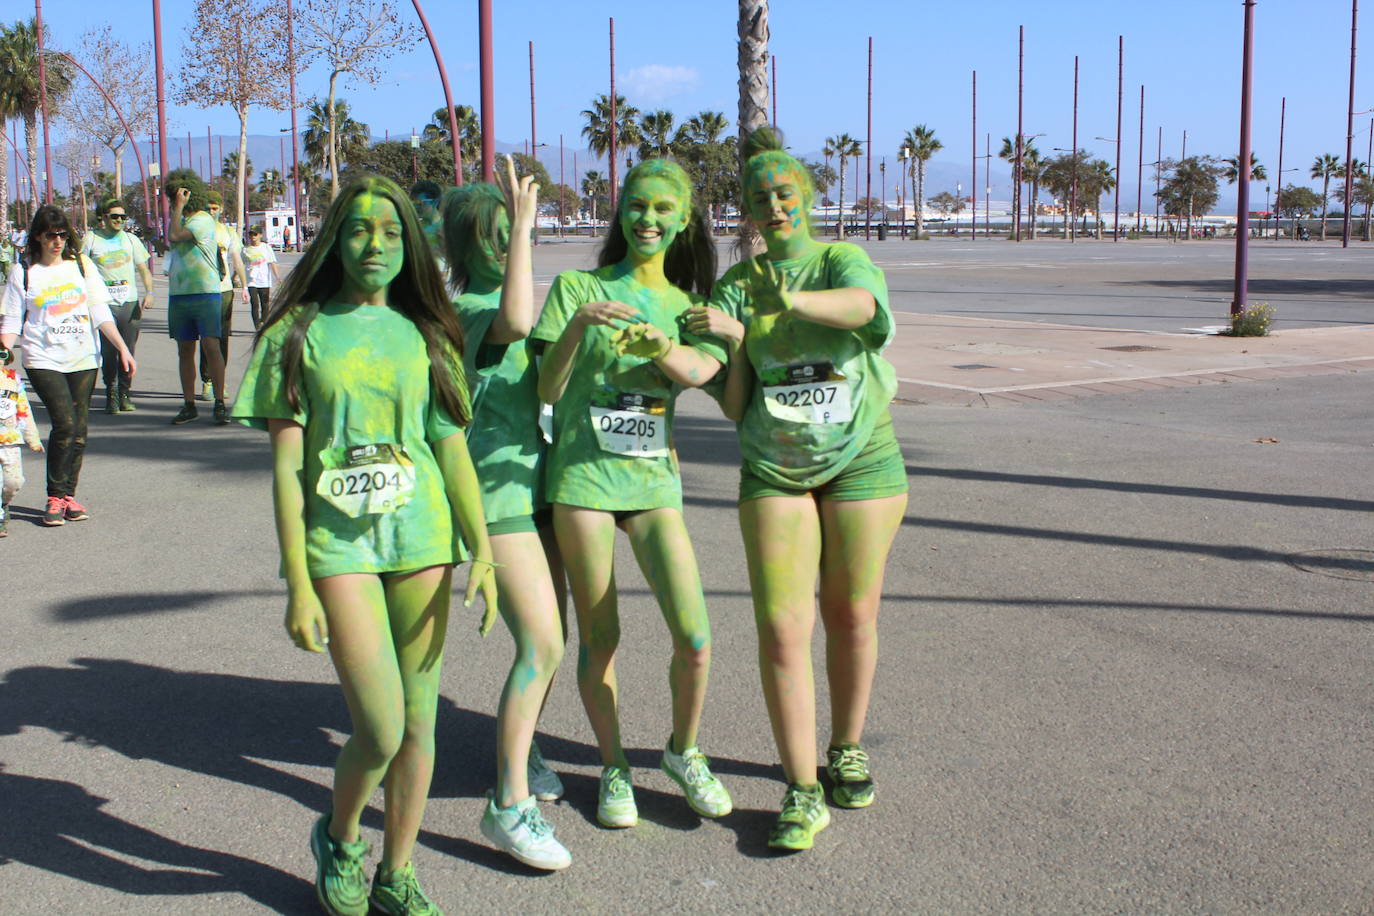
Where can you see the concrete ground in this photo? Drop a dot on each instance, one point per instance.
(1125, 642)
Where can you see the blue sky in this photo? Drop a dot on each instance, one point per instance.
(1186, 52)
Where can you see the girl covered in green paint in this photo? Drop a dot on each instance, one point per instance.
(487, 242)
(355, 376)
(616, 357)
(823, 487)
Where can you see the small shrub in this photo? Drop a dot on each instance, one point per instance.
(1252, 321)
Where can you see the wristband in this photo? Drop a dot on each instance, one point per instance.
(5, 355)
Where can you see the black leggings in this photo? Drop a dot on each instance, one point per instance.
(127, 316)
(257, 303)
(67, 398)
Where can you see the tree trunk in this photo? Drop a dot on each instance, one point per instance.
(5, 187)
(119, 170)
(1034, 205)
(242, 185)
(31, 153)
(752, 58)
(920, 196)
(839, 230)
(911, 175)
(1326, 188)
(333, 144)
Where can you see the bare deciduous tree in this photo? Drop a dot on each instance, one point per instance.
(121, 69)
(354, 38)
(235, 55)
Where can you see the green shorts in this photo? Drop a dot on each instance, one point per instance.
(522, 524)
(876, 472)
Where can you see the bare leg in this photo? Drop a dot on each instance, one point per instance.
(665, 555)
(856, 537)
(587, 539)
(782, 542)
(214, 358)
(186, 366)
(530, 608)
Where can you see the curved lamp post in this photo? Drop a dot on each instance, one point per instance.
(448, 95)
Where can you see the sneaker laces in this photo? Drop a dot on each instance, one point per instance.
(534, 822)
(851, 763)
(616, 783)
(795, 804)
(697, 769)
(74, 505)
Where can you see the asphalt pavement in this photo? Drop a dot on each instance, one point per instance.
(1124, 664)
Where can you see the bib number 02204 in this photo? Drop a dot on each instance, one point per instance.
(630, 424)
(807, 393)
(366, 479)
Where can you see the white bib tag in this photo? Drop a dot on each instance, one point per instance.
(118, 292)
(807, 393)
(366, 479)
(636, 425)
(9, 405)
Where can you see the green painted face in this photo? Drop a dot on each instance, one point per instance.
(215, 210)
(486, 266)
(370, 244)
(777, 203)
(653, 213)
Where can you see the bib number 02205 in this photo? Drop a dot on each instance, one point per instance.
(366, 479)
(807, 393)
(631, 424)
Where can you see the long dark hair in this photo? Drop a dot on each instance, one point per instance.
(470, 219)
(48, 218)
(417, 293)
(690, 263)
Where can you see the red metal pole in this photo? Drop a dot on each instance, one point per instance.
(43, 99)
(1238, 300)
(561, 186)
(1349, 122)
(295, 143)
(1073, 163)
(1140, 165)
(534, 141)
(161, 115)
(1020, 131)
(987, 186)
(773, 74)
(189, 164)
(1278, 196)
(1159, 157)
(1120, 76)
(973, 183)
(484, 30)
(868, 152)
(615, 125)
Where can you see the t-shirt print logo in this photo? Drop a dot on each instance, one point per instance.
(59, 300)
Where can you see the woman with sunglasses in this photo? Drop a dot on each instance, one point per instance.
(118, 255)
(53, 305)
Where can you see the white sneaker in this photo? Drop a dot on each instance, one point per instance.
(522, 831)
(691, 770)
(544, 782)
(615, 799)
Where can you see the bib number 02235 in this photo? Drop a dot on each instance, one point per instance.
(807, 393)
(631, 424)
(366, 479)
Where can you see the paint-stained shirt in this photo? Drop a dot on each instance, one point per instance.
(256, 261)
(194, 269)
(818, 391)
(370, 418)
(504, 440)
(116, 257)
(16, 417)
(58, 315)
(613, 426)
(229, 244)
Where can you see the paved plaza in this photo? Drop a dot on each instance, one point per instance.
(1126, 636)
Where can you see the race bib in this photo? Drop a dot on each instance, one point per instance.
(635, 425)
(9, 405)
(118, 291)
(366, 479)
(807, 393)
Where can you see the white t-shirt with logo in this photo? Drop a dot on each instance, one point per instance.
(58, 315)
(256, 259)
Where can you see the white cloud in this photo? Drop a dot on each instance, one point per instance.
(656, 83)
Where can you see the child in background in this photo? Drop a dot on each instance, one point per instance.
(16, 428)
(261, 263)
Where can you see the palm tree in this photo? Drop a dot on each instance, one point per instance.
(597, 130)
(844, 147)
(657, 130)
(705, 126)
(1008, 153)
(1033, 173)
(1096, 179)
(920, 144)
(19, 89)
(1326, 166)
(230, 165)
(595, 186)
(349, 138)
(1231, 172)
(272, 183)
(469, 130)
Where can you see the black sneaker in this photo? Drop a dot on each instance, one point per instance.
(126, 404)
(186, 414)
(111, 399)
(221, 414)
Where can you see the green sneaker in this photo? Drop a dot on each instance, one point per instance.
(400, 894)
(615, 801)
(803, 815)
(111, 399)
(692, 771)
(186, 414)
(521, 831)
(340, 883)
(544, 782)
(851, 784)
(126, 404)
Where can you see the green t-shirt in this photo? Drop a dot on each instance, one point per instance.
(818, 390)
(504, 439)
(363, 381)
(195, 268)
(613, 428)
(116, 256)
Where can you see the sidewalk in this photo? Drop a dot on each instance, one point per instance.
(974, 362)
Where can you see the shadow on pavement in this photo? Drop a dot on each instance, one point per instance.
(1351, 287)
(59, 827)
(128, 605)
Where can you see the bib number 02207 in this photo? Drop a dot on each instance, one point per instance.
(630, 424)
(807, 393)
(366, 479)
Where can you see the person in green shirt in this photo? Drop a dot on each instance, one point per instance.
(615, 359)
(193, 291)
(356, 376)
(823, 488)
(118, 254)
(487, 236)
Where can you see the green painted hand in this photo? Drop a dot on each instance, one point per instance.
(643, 340)
(767, 287)
(482, 574)
(305, 621)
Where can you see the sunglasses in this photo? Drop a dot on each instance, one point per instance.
(114, 216)
(54, 236)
